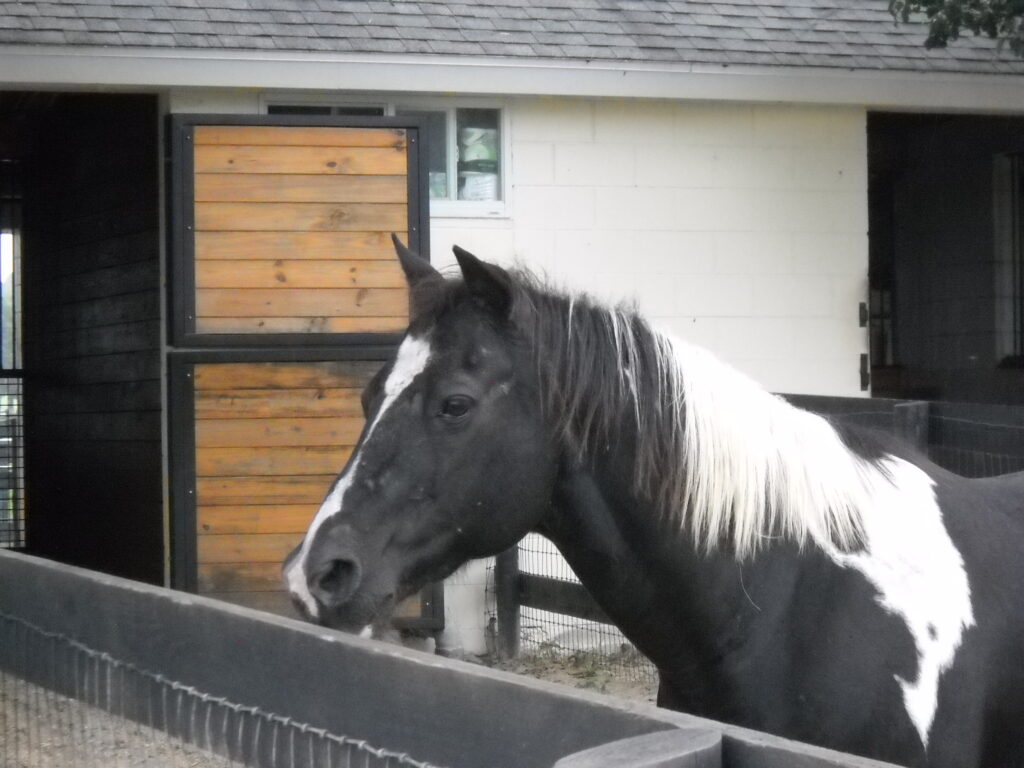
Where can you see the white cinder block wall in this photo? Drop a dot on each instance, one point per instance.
(740, 227)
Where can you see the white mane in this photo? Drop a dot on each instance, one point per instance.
(755, 466)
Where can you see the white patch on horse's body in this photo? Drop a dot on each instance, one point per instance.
(755, 467)
(910, 559)
(412, 358)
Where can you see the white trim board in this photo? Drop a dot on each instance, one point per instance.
(82, 67)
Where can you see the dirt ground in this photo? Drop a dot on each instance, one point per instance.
(589, 671)
(42, 729)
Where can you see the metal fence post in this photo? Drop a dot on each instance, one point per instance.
(910, 422)
(506, 593)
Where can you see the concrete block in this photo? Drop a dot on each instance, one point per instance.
(701, 124)
(753, 253)
(803, 296)
(714, 295)
(673, 165)
(533, 163)
(600, 165)
(637, 121)
(552, 119)
(750, 168)
(554, 207)
(634, 208)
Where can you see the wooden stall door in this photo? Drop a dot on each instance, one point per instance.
(285, 232)
(269, 440)
(287, 294)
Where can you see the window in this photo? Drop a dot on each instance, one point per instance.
(465, 150)
(12, 469)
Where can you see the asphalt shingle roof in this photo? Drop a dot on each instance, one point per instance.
(846, 34)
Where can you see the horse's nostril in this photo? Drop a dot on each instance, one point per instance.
(335, 581)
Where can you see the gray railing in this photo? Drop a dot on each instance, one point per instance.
(90, 657)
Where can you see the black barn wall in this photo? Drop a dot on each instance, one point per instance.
(92, 336)
(933, 243)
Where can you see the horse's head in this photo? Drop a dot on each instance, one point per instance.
(454, 462)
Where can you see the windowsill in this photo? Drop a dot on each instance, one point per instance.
(466, 209)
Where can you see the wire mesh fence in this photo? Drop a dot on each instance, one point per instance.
(12, 467)
(587, 644)
(62, 703)
(984, 444)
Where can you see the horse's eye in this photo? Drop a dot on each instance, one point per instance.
(456, 406)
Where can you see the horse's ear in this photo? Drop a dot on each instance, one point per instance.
(416, 268)
(488, 283)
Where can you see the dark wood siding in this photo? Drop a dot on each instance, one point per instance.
(92, 328)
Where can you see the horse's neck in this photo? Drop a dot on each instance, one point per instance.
(686, 610)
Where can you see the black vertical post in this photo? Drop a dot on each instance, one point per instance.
(910, 422)
(506, 592)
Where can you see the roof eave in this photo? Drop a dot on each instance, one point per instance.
(81, 67)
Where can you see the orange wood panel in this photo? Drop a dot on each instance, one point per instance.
(283, 273)
(264, 404)
(287, 135)
(301, 302)
(270, 246)
(304, 460)
(228, 433)
(240, 577)
(299, 188)
(255, 518)
(302, 489)
(246, 376)
(226, 158)
(247, 548)
(301, 217)
(369, 324)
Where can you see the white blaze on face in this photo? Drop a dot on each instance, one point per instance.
(413, 356)
(919, 575)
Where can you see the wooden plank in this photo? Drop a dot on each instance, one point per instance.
(373, 161)
(301, 302)
(255, 518)
(559, 596)
(265, 404)
(395, 324)
(299, 188)
(239, 577)
(304, 460)
(246, 548)
(296, 245)
(282, 273)
(278, 603)
(288, 135)
(228, 433)
(322, 375)
(308, 489)
(301, 217)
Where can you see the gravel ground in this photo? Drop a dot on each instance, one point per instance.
(40, 729)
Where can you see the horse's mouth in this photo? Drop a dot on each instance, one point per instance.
(358, 615)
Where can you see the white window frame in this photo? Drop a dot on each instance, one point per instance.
(457, 209)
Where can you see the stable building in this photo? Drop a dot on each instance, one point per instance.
(196, 201)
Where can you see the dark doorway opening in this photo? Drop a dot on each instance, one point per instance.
(86, 192)
(946, 216)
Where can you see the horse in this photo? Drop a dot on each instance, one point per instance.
(783, 573)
